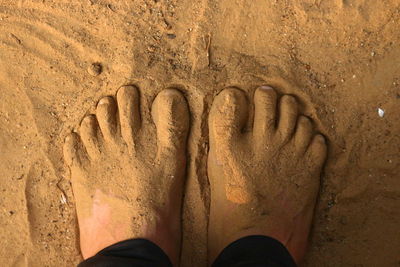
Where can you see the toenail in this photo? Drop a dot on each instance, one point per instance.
(289, 99)
(127, 87)
(266, 87)
(103, 101)
(304, 119)
(86, 119)
(321, 138)
(122, 89)
(170, 92)
(229, 94)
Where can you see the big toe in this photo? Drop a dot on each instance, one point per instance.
(228, 116)
(170, 114)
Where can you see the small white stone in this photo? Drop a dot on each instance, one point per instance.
(381, 112)
(63, 199)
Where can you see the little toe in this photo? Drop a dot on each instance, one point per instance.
(303, 134)
(170, 114)
(264, 112)
(228, 116)
(74, 153)
(106, 116)
(317, 151)
(89, 132)
(129, 114)
(288, 111)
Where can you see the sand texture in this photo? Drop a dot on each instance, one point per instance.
(340, 58)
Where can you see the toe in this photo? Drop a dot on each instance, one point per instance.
(303, 134)
(228, 116)
(317, 152)
(170, 114)
(74, 153)
(288, 111)
(264, 112)
(89, 131)
(129, 115)
(106, 116)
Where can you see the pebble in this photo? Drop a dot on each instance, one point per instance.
(63, 199)
(381, 112)
(95, 69)
(171, 36)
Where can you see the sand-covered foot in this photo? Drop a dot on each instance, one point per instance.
(121, 191)
(266, 181)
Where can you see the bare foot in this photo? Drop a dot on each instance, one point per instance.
(120, 191)
(263, 182)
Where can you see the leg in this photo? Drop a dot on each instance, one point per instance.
(122, 192)
(263, 182)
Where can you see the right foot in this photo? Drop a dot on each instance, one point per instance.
(263, 182)
(121, 191)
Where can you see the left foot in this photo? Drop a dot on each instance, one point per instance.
(120, 191)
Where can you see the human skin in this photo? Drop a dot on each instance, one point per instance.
(122, 192)
(264, 181)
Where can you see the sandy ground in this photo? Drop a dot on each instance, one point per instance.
(341, 58)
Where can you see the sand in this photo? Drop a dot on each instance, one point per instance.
(341, 59)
